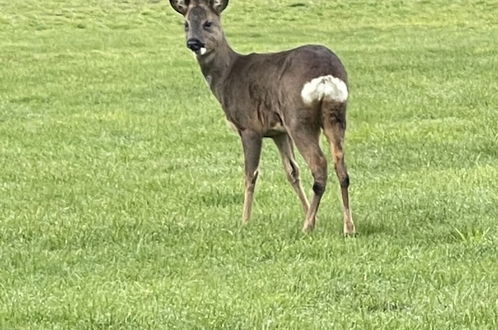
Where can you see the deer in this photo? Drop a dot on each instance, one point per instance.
(289, 96)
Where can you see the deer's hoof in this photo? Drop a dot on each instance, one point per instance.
(349, 230)
(308, 228)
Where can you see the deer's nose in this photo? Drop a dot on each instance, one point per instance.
(194, 44)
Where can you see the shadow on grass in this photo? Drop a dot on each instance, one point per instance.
(368, 228)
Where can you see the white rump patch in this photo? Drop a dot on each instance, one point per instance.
(328, 88)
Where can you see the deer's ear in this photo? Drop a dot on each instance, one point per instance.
(180, 6)
(219, 5)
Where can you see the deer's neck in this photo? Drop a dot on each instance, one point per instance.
(216, 66)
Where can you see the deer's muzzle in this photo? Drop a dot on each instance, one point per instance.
(194, 44)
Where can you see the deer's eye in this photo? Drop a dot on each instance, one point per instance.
(207, 24)
(186, 25)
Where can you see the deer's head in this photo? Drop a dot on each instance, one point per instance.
(202, 23)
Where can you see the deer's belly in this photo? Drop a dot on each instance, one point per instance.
(268, 123)
(275, 129)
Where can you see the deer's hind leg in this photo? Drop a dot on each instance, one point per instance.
(306, 135)
(334, 126)
(285, 147)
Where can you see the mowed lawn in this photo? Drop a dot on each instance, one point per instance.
(121, 187)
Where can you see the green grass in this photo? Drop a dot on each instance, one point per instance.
(121, 186)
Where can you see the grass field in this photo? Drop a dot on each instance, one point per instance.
(121, 187)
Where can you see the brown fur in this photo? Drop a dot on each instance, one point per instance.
(261, 95)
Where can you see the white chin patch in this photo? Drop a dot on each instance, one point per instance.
(203, 51)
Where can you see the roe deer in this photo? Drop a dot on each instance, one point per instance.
(288, 96)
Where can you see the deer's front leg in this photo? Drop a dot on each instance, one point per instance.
(251, 143)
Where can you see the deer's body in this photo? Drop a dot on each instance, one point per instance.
(266, 100)
(289, 96)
